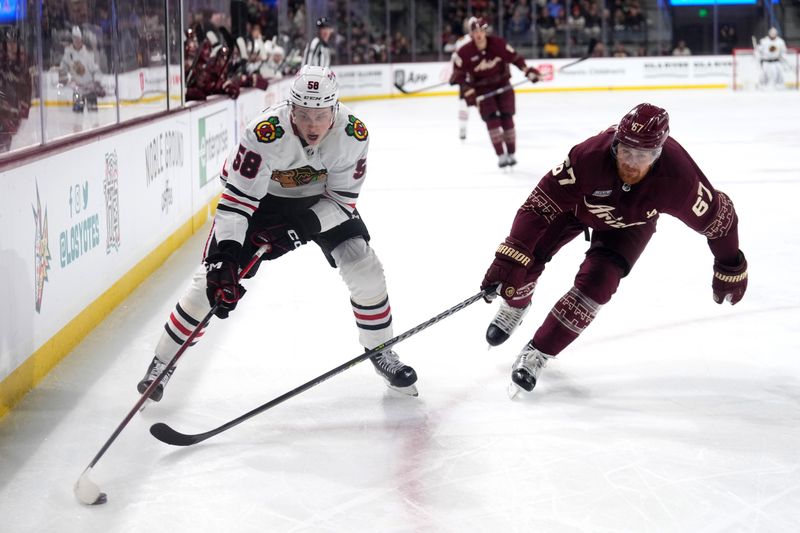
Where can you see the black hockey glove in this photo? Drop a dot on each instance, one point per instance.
(285, 237)
(222, 273)
(729, 282)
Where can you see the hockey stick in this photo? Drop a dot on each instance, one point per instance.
(501, 90)
(590, 49)
(573, 63)
(428, 88)
(85, 489)
(166, 434)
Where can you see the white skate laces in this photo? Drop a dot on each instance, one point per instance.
(398, 376)
(153, 371)
(531, 360)
(526, 370)
(505, 322)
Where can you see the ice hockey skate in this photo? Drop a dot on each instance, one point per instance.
(504, 323)
(511, 160)
(398, 376)
(526, 370)
(153, 371)
(502, 161)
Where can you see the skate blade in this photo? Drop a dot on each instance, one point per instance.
(513, 390)
(411, 390)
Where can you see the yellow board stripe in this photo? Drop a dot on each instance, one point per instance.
(14, 387)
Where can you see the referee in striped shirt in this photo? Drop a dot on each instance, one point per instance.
(318, 51)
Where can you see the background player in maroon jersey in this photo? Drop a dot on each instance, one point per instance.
(615, 183)
(482, 66)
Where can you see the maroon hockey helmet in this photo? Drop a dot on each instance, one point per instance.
(645, 126)
(478, 23)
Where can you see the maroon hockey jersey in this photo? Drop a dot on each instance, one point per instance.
(485, 70)
(587, 185)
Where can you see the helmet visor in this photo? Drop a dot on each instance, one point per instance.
(637, 157)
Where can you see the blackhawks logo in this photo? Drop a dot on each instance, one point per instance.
(356, 128)
(268, 130)
(297, 177)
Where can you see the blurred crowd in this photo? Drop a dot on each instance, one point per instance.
(15, 87)
(556, 31)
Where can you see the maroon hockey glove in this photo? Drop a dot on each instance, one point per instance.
(729, 282)
(510, 265)
(532, 74)
(470, 96)
(222, 272)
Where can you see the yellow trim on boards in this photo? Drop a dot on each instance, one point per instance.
(14, 387)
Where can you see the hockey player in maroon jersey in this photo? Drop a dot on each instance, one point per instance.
(481, 66)
(294, 177)
(616, 184)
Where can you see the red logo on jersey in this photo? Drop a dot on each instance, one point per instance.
(268, 130)
(356, 129)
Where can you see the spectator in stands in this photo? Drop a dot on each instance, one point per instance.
(681, 49)
(599, 50)
(727, 39)
(618, 50)
(634, 20)
(551, 48)
(79, 71)
(593, 21)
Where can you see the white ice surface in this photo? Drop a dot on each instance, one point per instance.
(669, 414)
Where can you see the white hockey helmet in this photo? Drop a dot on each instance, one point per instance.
(314, 87)
(773, 33)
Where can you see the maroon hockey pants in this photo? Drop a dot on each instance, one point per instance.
(610, 258)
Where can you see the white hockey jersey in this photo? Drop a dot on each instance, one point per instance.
(771, 49)
(84, 74)
(272, 159)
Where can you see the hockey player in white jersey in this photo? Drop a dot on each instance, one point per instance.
(294, 177)
(771, 51)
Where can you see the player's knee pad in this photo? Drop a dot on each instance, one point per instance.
(361, 271)
(600, 274)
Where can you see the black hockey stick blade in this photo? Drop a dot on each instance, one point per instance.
(168, 435)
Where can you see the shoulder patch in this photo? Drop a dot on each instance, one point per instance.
(268, 130)
(356, 128)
